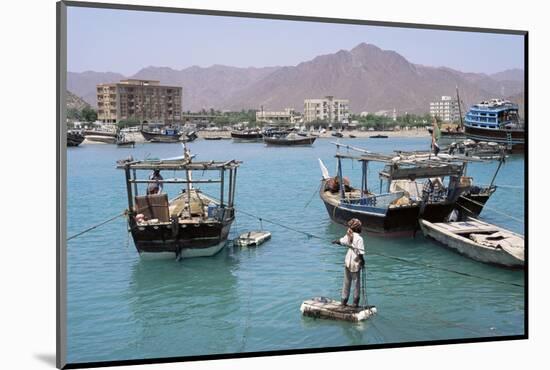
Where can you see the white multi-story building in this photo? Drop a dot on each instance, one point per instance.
(327, 109)
(446, 109)
(289, 115)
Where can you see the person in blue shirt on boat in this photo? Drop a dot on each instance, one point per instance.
(354, 261)
(155, 187)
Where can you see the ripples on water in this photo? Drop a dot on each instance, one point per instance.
(245, 300)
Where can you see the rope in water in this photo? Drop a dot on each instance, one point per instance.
(404, 260)
(97, 225)
(310, 235)
(506, 186)
(493, 209)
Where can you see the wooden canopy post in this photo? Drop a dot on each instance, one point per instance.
(341, 180)
(222, 173)
(364, 180)
(390, 179)
(229, 191)
(135, 184)
(188, 178)
(129, 190)
(234, 184)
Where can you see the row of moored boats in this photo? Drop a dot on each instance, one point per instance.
(417, 191)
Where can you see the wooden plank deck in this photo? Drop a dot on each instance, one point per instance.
(327, 308)
(467, 227)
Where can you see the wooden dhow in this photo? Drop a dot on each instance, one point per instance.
(193, 224)
(250, 134)
(168, 135)
(100, 136)
(411, 187)
(291, 139)
(74, 138)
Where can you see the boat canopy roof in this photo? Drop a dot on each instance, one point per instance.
(495, 105)
(179, 164)
(412, 165)
(402, 169)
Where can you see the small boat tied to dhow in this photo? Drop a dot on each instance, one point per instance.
(291, 139)
(192, 224)
(479, 240)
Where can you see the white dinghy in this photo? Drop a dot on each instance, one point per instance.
(479, 240)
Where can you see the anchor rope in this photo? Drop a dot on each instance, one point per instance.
(110, 219)
(248, 315)
(492, 209)
(506, 186)
(313, 195)
(404, 260)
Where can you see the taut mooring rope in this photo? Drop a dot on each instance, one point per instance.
(97, 225)
(404, 260)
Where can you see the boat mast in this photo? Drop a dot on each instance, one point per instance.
(364, 185)
(459, 108)
(187, 158)
(500, 162)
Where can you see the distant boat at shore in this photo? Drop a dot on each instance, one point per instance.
(291, 139)
(379, 136)
(74, 138)
(100, 136)
(495, 120)
(168, 135)
(247, 134)
(123, 142)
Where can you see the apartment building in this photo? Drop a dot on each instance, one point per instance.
(141, 100)
(326, 109)
(289, 115)
(446, 109)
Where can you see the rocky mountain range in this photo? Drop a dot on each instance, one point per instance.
(371, 78)
(75, 102)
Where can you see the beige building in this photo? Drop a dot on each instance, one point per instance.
(142, 100)
(328, 109)
(446, 109)
(288, 115)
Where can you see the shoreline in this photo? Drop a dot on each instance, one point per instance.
(357, 133)
(138, 137)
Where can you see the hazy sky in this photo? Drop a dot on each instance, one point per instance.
(126, 41)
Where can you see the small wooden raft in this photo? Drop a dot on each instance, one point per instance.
(252, 238)
(326, 308)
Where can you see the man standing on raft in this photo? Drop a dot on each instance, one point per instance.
(354, 261)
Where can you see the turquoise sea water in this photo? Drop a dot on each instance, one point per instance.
(246, 300)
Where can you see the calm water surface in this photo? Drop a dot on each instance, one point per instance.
(246, 300)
